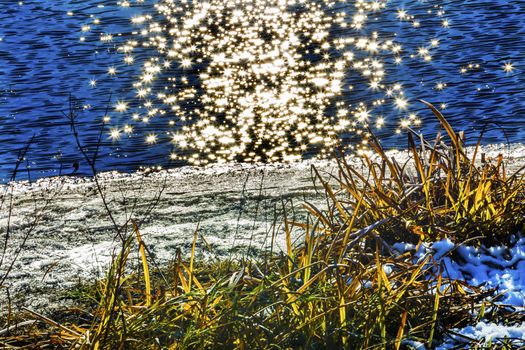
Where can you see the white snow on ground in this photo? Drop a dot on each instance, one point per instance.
(486, 333)
(415, 345)
(73, 238)
(501, 268)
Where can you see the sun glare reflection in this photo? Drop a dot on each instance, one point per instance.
(255, 80)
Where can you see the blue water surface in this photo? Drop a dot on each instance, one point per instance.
(43, 62)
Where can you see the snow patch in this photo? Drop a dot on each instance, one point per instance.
(486, 333)
(499, 267)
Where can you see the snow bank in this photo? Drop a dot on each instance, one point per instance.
(502, 268)
(485, 334)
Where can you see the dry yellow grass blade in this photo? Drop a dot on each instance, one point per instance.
(194, 279)
(435, 310)
(457, 146)
(382, 278)
(292, 297)
(314, 211)
(145, 266)
(401, 330)
(342, 317)
(192, 259)
(330, 193)
(289, 246)
(49, 321)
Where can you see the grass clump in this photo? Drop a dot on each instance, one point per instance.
(443, 191)
(305, 299)
(341, 286)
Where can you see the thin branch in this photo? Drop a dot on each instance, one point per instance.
(21, 155)
(92, 162)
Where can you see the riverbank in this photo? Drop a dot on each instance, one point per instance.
(236, 206)
(68, 237)
(73, 238)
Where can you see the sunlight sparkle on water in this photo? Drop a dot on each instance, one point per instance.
(508, 67)
(259, 80)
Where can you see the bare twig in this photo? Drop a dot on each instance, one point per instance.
(51, 322)
(92, 161)
(21, 156)
(17, 326)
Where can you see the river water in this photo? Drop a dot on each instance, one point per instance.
(43, 61)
